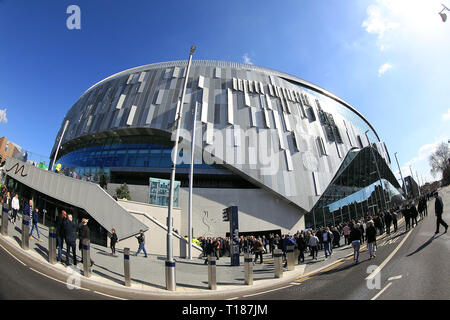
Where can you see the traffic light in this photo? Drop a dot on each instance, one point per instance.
(226, 214)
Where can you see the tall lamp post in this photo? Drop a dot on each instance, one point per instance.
(191, 183)
(403, 180)
(170, 263)
(59, 144)
(378, 170)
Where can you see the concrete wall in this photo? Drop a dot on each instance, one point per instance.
(258, 210)
(156, 236)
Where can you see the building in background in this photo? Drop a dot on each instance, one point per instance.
(9, 149)
(288, 153)
(412, 188)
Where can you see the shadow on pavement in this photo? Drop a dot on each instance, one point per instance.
(427, 243)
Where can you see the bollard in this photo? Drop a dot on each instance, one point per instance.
(86, 258)
(25, 232)
(126, 266)
(212, 279)
(248, 264)
(278, 262)
(5, 216)
(52, 245)
(171, 283)
(290, 258)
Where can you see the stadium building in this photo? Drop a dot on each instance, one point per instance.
(288, 153)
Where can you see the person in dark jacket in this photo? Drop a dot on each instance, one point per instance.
(114, 239)
(388, 221)
(28, 209)
(209, 249)
(34, 220)
(355, 237)
(85, 235)
(439, 209)
(407, 215)
(141, 241)
(60, 233)
(371, 235)
(70, 236)
(394, 219)
(301, 246)
(336, 237)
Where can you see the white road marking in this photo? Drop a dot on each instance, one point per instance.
(48, 276)
(381, 266)
(379, 293)
(12, 255)
(395, 278)
(255, 294)
(107, 295)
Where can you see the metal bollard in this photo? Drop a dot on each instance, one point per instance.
(248, 264)
(86, 258)
(126, 266)
(212, 279)
(25, 232)
(290, 258)
(5, 216)
(171, 283)
(278, 262)
(52, 245)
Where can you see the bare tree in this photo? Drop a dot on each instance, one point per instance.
(440, 160)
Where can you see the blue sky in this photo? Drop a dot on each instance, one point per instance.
(390, 59)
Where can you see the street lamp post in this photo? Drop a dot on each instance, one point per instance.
(191, 183)
(378, 170)
(404, 185)
(170, 263)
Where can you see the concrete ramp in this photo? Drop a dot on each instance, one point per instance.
(82, 194)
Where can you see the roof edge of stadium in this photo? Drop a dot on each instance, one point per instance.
(237, 65)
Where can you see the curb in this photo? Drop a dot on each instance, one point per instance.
(140, 294)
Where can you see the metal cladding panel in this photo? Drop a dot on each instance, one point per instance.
(226, 91)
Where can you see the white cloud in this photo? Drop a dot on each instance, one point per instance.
(382, 70)
(376, 22)
(446, 116)
(247, 59)
(3, 118)
(419, 164)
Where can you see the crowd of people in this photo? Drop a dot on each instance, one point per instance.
(310, 241)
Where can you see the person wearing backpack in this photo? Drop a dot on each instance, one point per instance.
(371, 234)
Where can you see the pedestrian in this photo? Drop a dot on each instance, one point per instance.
(388, 221)
(15, 205)
(258, 249)
(394, 219)
(60, 233)
(346, 230)
(406, 213)
(216, 247)
(85, 236)
(7, 205)
(336, 237)
(28, 210)
(313, 243)
(326, 238)
(361, 229)
(371, 235)
(439, 209)
(301, 246)
(141, 241)
(113, 240)
(414, 214)
(35, 219)
(209, 249)
(264, 242)
(71, 238)
(355, 237)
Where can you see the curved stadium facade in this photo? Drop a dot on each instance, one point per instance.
(288, 153)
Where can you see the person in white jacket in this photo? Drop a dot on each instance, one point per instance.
(15, 207)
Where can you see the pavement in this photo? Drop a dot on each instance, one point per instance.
(148, 274)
